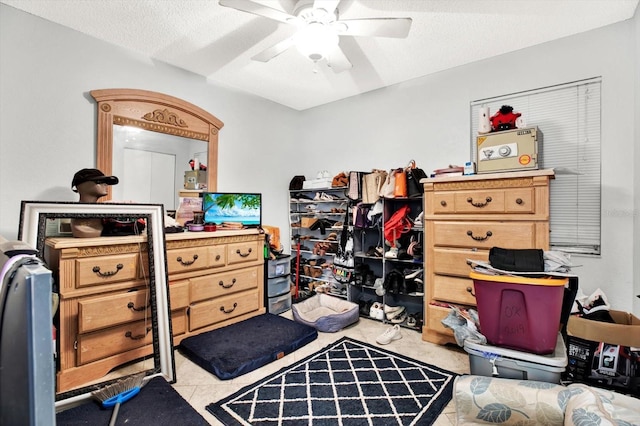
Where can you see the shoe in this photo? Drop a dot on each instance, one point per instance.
(326, 197)
(414, 274)
(365, 307)
(388, 309)
(418, 220)
(392, 253)
(389, 335)
(395, 314)
(411, 321)
(402, 317)
(376, 311)
(304, 198)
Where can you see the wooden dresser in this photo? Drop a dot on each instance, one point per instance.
(215, 279)
(464, 216)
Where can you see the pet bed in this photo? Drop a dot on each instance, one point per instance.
(326, 313)
(242, 347)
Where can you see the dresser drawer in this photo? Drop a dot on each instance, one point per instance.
(188, 259)
(114, 340)
(243, 252)
(217, 256)
(106, 269)
(179, 322)
(220, 309)
(453, 290)
(101, 312)
(215, 285)
(517, 200)
(179, 294)
(454, 261)
(435, 315)
(485, 234)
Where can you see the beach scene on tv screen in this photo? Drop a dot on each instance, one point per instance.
(243, 208)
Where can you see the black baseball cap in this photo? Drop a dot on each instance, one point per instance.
(94, 175)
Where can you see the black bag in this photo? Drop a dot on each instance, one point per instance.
(414, 174)
(296, 183)
(343, 261)
(517, 260)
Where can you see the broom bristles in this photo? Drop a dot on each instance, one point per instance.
(119, 387)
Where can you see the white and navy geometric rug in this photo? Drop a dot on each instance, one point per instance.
(348, 383)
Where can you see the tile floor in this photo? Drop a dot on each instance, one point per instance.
(201, 388)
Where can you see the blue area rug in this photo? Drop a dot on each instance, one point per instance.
(347, 383)
(157, 404)
(242, 347)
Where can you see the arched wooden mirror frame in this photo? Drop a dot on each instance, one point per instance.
(155, 112)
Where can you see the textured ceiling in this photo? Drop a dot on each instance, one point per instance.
(218, 42)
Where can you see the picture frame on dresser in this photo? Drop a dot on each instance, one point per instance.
(35, 216)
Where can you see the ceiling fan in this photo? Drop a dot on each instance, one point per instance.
(319, 29)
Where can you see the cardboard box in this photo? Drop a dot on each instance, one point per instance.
(307, 222)
(605, 354)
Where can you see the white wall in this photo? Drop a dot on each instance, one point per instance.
(48, 118)
(427, 119)
(47, 125)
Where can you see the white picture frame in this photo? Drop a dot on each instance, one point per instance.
(32, 231)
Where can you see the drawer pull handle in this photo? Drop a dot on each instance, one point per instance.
(132, 306)
(96, 269)
(243, 255)
(232, 309)
(488, 234)
(481, 204)
(470, 291)
(221, 283)
(519, 201)
(443, 203)
(138, 337)
(217, 257)
(187, 262)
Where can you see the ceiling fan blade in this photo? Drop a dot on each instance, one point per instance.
(328, 5)
(273, 51)
(338, 61)
(377, 27)
(260, 10)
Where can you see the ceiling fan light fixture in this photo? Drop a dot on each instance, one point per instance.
(316, 40)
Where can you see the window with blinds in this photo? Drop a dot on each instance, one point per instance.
(568, 120)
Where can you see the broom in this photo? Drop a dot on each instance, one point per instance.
(119, 392)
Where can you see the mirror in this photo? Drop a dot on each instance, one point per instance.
(41, 220)
(144, 134)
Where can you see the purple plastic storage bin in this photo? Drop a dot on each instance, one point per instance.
(518, 312)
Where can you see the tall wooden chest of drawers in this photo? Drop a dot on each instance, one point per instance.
(464, 216)
(215, 279)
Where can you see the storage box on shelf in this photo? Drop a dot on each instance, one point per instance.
(215, 279)
(464, 216)
(316, 219)
(278, 284)
(401, 273)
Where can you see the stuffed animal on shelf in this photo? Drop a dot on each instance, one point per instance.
(504, 119)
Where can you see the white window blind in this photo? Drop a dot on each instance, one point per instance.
(568, 118)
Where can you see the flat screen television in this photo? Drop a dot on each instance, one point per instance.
(244, 208)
